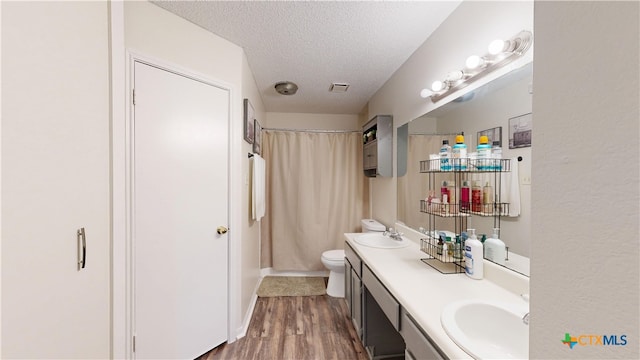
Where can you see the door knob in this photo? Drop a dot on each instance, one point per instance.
(222, 230)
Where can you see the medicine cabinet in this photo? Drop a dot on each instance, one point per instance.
(377, 151)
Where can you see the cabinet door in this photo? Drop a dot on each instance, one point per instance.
(370, 153)
(55, 180)
(356, 294)
(347, 285)
(418, 345)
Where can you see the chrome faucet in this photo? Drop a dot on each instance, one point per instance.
(393, 234)
(525, 319)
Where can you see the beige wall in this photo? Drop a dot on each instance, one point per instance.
(495, 110)
(586, 190)
(250, 247)
(312, 121)
(585, 186)
(153, 32)
(467, 31)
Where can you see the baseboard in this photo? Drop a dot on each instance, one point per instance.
(271, 272)
(242, 331)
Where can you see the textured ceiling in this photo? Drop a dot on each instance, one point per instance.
(316, 43)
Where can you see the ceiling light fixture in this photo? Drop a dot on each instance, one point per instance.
(286, 88)
(500, 53)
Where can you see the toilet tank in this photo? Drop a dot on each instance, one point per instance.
(371, 225)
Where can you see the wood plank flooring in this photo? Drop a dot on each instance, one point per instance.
(296, 327)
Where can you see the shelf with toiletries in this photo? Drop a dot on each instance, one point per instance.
(459, 188)
(436, 207)
(466, 165)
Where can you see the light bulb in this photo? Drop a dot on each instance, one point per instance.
(496, 47)
(437, 86)
(474, 62)
(425, 93)
(455, 76)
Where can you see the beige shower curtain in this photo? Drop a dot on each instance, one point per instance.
(413, 187)
(314, 186)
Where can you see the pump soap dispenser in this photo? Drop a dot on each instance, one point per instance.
(495, 249)
(474, 265)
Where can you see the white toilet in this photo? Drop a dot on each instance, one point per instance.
(334, 261)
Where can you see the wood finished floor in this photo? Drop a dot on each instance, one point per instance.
(296, 327)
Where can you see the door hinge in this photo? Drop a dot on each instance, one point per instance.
(134, 97)
(134, 344)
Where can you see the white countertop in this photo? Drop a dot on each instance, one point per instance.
(423, 291)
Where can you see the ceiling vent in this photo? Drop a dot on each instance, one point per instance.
(286, 88)
(338, 87)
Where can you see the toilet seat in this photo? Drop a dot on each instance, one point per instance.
(333, 255)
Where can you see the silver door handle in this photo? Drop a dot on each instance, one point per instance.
(82, 249)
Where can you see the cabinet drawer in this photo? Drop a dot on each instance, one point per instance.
(385, 300)
(418, 344)
(353, 259)
(370, 156)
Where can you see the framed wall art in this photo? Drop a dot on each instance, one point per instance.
(494, 134)
(257, 137)
(249, 117)
(520, 131)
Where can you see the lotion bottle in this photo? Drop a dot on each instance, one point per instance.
(495, 249)
(474, 266)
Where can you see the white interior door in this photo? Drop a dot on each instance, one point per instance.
(179, 199)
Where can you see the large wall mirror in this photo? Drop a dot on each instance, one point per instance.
(503, 103)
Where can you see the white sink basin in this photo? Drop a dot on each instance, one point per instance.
(488, 330)
(377, 240)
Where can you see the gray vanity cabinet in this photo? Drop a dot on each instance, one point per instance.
(381, 319)
(377, 151)
(384, 326)
(419, 345)
(353, 287)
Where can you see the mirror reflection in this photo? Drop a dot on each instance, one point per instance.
(500, 108)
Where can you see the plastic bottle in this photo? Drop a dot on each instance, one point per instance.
(457, 251)
(459, 154)
(465, 196)
(484, 153)
(443, 190)
(445, 156)
(487, 199)
(449, 246)
(453, 201)
(474, 266)
(496, 154)
(476, 197)
(495, 249)
(440, 246)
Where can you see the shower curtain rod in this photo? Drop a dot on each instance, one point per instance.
(313, 131)
(437, 134)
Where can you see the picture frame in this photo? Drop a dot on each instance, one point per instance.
(257, 137)
(494, 134)
(249, 117)
(520, 129)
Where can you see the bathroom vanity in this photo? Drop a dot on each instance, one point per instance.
(396, 300)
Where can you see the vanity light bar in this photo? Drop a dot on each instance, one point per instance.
(500, 53)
